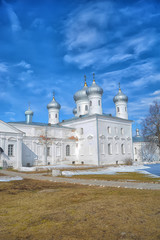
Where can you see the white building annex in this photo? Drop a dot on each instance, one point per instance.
(90, 137)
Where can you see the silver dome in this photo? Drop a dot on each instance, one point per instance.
(29, 112)
(54, 104)
(94, 89)
(75, 111)
(81, 94)
(120, 97)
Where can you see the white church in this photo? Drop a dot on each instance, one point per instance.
(90, 137)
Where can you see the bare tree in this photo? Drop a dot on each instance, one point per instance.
(151, 125)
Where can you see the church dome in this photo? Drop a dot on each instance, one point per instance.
(29, 111)
(120, 97)
(94, 89)
(54, 104)
(75, 111)
(81, 94)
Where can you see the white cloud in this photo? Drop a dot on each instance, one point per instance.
(83, 28)
(25, 75)
(155, 93)
(3, 67)
(10, 113)
(66, 109)
(23, 64)
(90, 41)
(38, 23)
(15, 23)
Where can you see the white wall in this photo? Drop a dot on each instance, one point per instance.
(114, 132)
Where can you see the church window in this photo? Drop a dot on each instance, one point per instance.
(109, 149)
(56, 115)
(118, 109)
(99, 103)
(90, 103)
(68, 150)
(135, 150)
(86, 108)
(10, 150)
(116, 147)
(109, 129)
(102, 148)
(48, 151)
(58, 152)
(122, 131)
(122, 149)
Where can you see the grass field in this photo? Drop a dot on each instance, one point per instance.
(124, 176)
(31, 209)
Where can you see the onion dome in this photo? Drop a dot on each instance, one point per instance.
(120, 96)
(29, 111)
(54, 104)
(75, 111)
(81, 94)
(94, 89)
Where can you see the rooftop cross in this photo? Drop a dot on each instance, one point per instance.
(53, 95)
(85, 84)
(93, 77)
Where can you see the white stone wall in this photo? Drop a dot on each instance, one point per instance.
(53, 116)
(86, 147)
(10, 136)
(121, 109)
(94, 106)
(115, 141)
(39, 138)
(81, 107)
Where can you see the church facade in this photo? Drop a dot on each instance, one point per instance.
(90, 137)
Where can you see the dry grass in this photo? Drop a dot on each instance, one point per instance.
(1, 174)
(38, 210)
(124, 176)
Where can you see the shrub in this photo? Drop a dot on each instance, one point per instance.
(128, 161)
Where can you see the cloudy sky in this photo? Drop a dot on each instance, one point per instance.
(48, 45)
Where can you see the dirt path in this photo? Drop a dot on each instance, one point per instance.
(101, 183)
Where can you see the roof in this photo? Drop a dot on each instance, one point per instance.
(40, 124)
(138, 139)
(87, 116)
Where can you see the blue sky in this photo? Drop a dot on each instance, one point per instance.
(49, 45)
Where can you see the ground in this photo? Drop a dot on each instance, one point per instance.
(34, 209)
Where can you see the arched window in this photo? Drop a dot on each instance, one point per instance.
(116, 147)
(99, 103)
(86, 108)
(90, 103)
(117, 109)
(109, 149)
(125, 109)
(122, 131)
(68, 150)
(135, 150)
(10, 150)
(56, 115)
(109, 129)
(122, 149)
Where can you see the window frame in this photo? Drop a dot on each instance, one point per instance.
(67, 150)
(10, 150)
